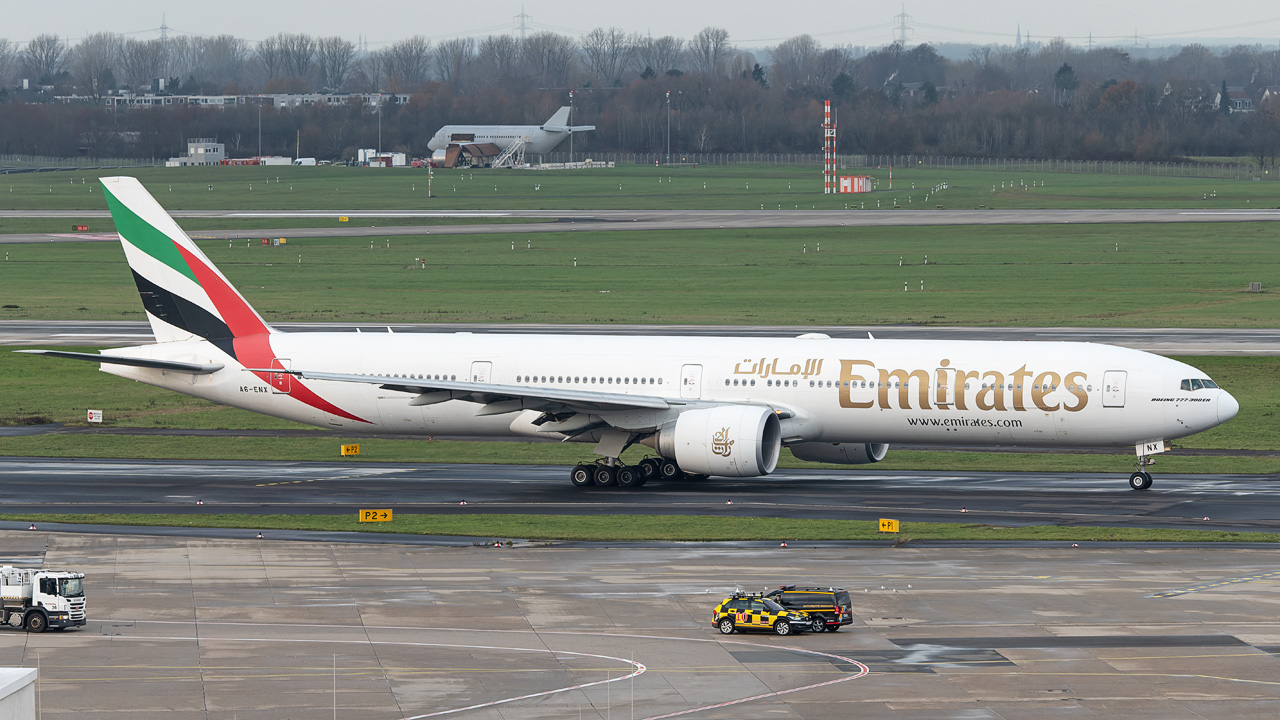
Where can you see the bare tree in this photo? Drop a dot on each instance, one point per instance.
(299, 54)
(270, 54)
(8, 60)
(795, 62)
(498, 58)
(661, 54)
(549, 57)
(93, 64)
(44, 57)
(709, 50)
(182, 57)
(609, 54)
(141, 61)
(222, 60)
(454, 59)
(335, 57)
(407, 63)
(370, 71)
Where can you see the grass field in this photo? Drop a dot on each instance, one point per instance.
(1162, 275)
(42, 390)
(722, 187)
(632, 528)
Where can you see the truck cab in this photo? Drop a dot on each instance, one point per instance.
(41, 599)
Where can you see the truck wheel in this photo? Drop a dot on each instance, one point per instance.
(37, 622)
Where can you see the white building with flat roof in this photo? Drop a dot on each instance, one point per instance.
(200, 151)
(17, 693)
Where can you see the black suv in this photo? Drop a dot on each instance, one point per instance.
(830, 604)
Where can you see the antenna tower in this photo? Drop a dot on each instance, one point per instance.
(523, 19)
(902, 28)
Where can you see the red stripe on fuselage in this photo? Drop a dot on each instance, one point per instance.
(255, 351)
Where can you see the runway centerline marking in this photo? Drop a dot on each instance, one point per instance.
(1213, 585)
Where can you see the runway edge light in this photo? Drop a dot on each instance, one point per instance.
(888, 525)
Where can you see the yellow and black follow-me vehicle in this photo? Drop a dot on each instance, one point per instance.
(751, 611)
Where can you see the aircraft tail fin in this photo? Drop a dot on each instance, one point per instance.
(560, 119)
(185, 296)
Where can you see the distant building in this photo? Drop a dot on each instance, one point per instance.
(1271, 95)
(1239, 100)
(130, 101)
(200, 151)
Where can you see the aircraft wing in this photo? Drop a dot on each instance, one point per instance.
(497, 399)
(568, 128)
(170, 365)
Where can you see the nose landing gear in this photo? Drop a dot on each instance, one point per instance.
(1141, 479)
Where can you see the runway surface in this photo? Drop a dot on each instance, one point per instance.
(596, 220)
(1166, 341)
(175, 486)
(192, 628)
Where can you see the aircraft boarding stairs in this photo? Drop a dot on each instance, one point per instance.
(513, 155)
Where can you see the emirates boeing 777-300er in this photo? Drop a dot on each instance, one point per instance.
(705, 405)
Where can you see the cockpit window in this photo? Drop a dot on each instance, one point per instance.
(1209, 383)
(1198, 384)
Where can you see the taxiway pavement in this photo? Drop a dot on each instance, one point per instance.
(54, 485)
(257, 630)
(625, 220)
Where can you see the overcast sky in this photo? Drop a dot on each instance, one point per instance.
(751, 23)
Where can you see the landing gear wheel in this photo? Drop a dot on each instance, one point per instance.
(628, 477)
(37, 622)
(580, 476)
(1140, 480)
(782, 627)
(605, 475)
(648, 468)
(726, 626)
(669, 470)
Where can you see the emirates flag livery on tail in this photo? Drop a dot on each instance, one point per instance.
(705, 405)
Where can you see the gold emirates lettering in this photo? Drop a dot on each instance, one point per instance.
(997, 391)
(721, 444)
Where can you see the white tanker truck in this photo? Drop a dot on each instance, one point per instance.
(41, 599)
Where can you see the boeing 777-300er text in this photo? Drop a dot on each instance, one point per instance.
(706, 405)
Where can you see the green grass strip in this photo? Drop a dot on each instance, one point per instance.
(686, 528)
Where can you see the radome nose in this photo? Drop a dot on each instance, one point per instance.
(1228, 406)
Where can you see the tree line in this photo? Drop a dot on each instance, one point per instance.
(1049, 101)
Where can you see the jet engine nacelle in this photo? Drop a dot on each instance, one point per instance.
(732, 441)
(840, 453)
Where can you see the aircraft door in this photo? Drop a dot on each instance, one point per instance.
(691, 381)
(945, 387)
(1113, 382)
(281, 383)
(481, 371)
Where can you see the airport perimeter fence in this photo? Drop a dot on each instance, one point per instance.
(44, 163)
(1225, 171)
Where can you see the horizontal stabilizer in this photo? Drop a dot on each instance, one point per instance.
(171, 365)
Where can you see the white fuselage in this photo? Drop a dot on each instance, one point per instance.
(538, 141)
(829, 390)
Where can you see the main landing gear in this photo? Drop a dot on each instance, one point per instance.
(1141, 479)
(610, 472)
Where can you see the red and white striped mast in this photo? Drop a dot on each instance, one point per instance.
(828, 150)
